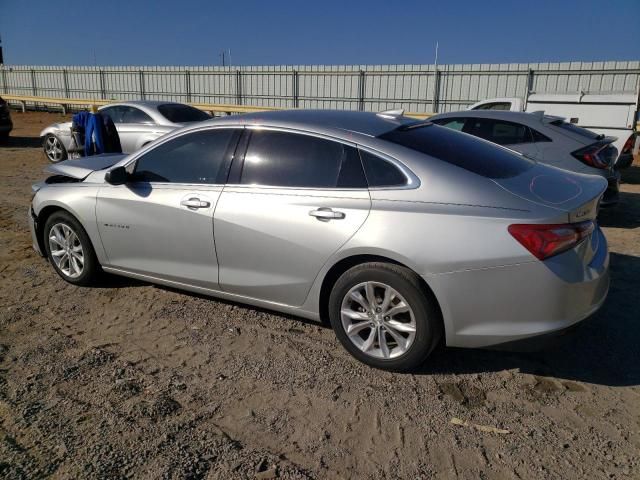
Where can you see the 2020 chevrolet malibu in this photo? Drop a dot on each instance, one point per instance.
(402, 233)
(137, 122)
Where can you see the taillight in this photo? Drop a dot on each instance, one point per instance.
(545, 241)
(594, 155)
(628, 145)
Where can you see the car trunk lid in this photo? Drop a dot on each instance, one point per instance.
(576, 196)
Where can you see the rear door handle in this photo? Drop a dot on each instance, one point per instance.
(326, 214)
(195, 203)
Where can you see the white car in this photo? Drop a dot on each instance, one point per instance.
(138, 123)
(610, 114)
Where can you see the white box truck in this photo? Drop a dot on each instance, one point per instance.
(609, 114)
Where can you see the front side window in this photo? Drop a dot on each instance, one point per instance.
(300, 161)
(135, 115)
(199, 157)
(498, 131)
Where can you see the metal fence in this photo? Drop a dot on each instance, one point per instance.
(416, 88)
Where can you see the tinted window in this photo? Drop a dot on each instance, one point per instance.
(539, 137)
(381, 173)
(576, 129)
(179, 113)
(292, 160)
(461, 150)
(452, 123)
(134, 115)
(194, 158)
(498, 131)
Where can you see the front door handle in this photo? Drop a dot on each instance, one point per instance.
(194, 203)
(324, 213)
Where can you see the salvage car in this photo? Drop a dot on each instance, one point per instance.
(403, 233)
(546, 138)
(138, 123)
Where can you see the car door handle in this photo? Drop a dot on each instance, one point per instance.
(326, 214)
(195, 203)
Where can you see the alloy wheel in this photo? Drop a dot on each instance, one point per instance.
(66, 250)
(378, 320)
(53, 148)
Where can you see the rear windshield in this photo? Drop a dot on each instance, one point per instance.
(464, 151)
(575, 129)
(177, 113)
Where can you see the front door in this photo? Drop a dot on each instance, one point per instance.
(297, 200)
(161, 222)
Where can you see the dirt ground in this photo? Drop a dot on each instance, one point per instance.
(131, 380)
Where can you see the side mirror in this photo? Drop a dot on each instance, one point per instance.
(117, 176)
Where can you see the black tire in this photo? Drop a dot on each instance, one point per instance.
(428, 328)
(91, 268)
(49, 137)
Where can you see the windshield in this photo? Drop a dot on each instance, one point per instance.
(464, 151)
(179, 113)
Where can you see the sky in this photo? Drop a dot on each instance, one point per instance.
(274, 32)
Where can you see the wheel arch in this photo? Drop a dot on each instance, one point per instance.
(43, 215)
(337, 269)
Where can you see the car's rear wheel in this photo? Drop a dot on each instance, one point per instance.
(53, 148)
(69, 249)
(383, 317)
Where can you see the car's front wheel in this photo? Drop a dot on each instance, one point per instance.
(53, 148)
(383, 317)
(69, 249)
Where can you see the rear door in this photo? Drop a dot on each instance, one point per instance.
(161, 222)
(291, 202)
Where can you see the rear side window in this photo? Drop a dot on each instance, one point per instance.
(179, 113)
(115, 113)
(498, 131)
(200, 157)
(300, 161)
(381, 173)
(461, 150)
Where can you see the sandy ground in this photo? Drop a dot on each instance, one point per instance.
(131, 380)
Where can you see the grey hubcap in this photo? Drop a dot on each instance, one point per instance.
(66, 250)
(53, 149)
(378, 320)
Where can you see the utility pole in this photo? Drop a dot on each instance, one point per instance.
(1, 57)
(222, 54)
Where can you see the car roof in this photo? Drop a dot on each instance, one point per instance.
(367, 123)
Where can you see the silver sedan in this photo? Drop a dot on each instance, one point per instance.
(138, 123)
(403, 234)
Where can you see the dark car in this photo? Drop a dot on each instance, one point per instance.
(6, 125)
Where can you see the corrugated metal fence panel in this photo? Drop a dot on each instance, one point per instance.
(416, 88)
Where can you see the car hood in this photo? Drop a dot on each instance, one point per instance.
(80, 168)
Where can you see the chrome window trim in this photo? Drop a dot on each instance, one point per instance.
(413, 181)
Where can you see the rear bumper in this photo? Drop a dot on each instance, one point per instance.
(612, 194)
(502, 305)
